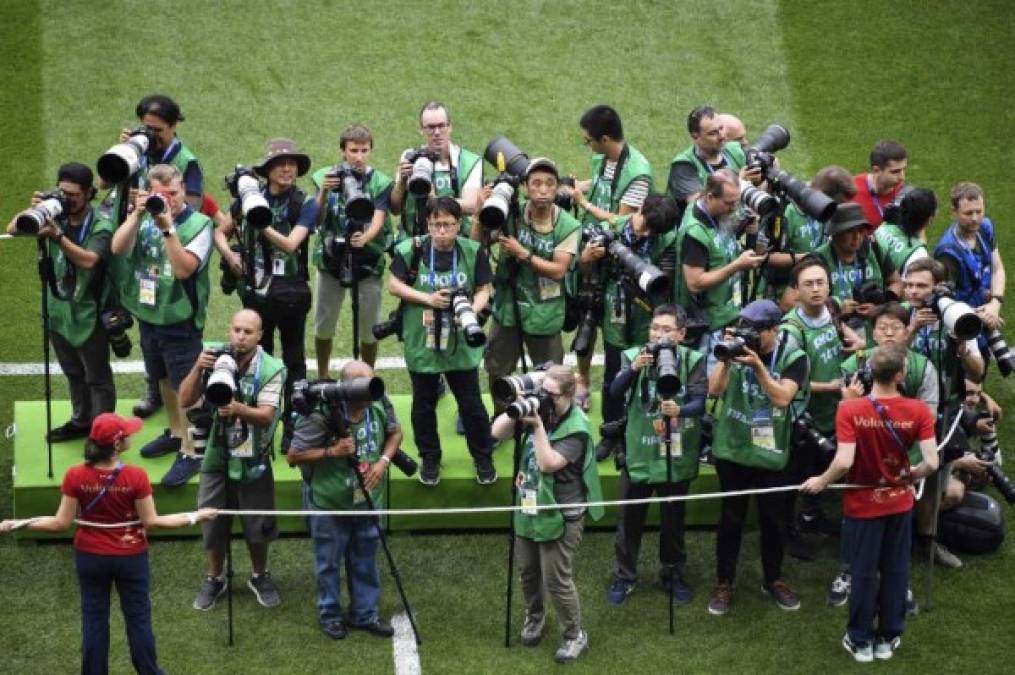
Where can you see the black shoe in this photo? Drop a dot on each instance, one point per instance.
(67, 432)
(183, 469)
(163, 445)
(379, 628)
(151, 402)
(486, 474)
(430, 472)
(335, 630)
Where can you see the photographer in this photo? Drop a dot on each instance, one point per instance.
(875, 434)
(453, 172)
(364, 439)
(653, 420)
(861, 274)
(443, 278)
(970, 254)
(165, 287)
(77, 246)
(557, 467)
(877, 189)
(803, 234)
(712, 261)
(236, 472)
(366, 242)
(621, 179)
(710, 150)
(627, 310)
(274, 258)
(535, 253)
(903, 235)
(758, 380)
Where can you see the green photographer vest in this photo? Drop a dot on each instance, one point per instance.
(175, 300)
(646, 453)
(733, 153)
(847, 276)
(540, 299)
(750, 431)
(602, 194)
(896, 245)
(333, 484)
(74, 317)
(626, 323)
(458, 355)
(444, 187)
(335, 221)
(722, 302)
(217, 459)
(548, 524)
(285, 211)
(823, 347)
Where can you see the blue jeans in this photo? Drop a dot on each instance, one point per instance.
(355, 540)
(878, 547)
(96, 575)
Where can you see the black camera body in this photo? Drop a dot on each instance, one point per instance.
(393, 326)
(870, 292)
(228, 280)
(358, 205)
(664, 367)
(116, 321)
(761, 154)
(805, 430)
(639, 274)
(744, 338)
(508, 388)
(611, 442)
(776, 137)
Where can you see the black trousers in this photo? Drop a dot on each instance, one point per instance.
(672, 553)
(291, 326)
(771, 516)
(464, 384)
(89, 375)
(612, 410)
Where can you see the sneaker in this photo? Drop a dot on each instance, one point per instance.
(618, 591)
(67, 432)
(430, 472)
(682, 592)
(163, 445)
(783, 595)
(211, 590)
(183, 469)
(151, 402)
(571, 649)
(486, 473)
(377, 627)
(912, 609)
(885, 648)
(264, 589)
(722, 598)
(459, 425)
(532, 630)
(862, 652)
(335, 630)
(945, 558)
(838, 592)
(816, 521)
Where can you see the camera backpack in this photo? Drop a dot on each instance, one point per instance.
(974, 526)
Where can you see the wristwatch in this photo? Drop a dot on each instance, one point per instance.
(999, 299)
(170, 232)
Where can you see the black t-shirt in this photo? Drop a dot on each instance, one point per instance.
(482, 275)
(795, 371)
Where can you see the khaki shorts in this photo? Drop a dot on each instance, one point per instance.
(328, 298)
(257, 495)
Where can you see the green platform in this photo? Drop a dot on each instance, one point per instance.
(36, 494)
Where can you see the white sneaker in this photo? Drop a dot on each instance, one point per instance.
(862, 652)
(884, 648)
(570, 650)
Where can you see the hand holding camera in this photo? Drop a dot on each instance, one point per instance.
(749, 260)
(592, 253)
(375, 474)
(669, 408)
(644, 359)
(439, 299)
(513, 247)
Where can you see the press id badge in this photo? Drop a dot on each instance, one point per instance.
(738, 292)
(618, 315)
(430, 323)
(241, 443)
(762, 431)
(278, 267)
(676, 450)
(146, 290)
(549, 289)
(529, 502)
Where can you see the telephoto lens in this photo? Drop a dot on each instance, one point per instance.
(526, 407)
(505, 389)
(122, 160)
(996, 476)
(155, 204)
(960, 319)
(116, 322)
(358, 205)
(405, 463)
(32, 220)
(420, 182)
(730, 348)
(494, 212)
(221, 387)
(252, 203)
(1002, 353)
(757, 200)
(462, 308)
(650, 279)
(393, 326)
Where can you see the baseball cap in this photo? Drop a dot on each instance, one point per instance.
(108, 428)
(762, 313)
(541, 163)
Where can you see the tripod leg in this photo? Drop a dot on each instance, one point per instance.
(354, 291)
(229, 583)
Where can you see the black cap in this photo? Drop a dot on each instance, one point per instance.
(75, 172)
(160, 106)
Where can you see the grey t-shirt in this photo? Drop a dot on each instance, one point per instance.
(568, 486)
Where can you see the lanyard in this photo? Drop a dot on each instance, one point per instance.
(874, 196)
(86, 225)
(105, 488)
(883, 414)
(432, 274)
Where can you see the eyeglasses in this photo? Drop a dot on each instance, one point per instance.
(588, 141)
(434, 128)
(443, 225)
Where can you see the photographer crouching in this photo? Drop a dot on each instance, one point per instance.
(444, 281)
(662, 387)
(344, 441)
(236, 391)
(74, 239)
(557, 467)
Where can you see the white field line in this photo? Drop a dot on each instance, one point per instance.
(403, 646)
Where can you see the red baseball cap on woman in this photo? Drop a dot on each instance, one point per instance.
(108, 428)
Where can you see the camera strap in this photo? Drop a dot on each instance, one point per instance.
(110, 479)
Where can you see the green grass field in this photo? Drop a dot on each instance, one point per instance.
(838, 75)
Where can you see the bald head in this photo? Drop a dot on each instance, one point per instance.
(245, 331)
(733, 127)
(356, 369)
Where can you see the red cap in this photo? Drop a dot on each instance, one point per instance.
(108, 428)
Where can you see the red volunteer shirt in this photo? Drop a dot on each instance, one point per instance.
(83, 482)
(879, 459)
(873, 204)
